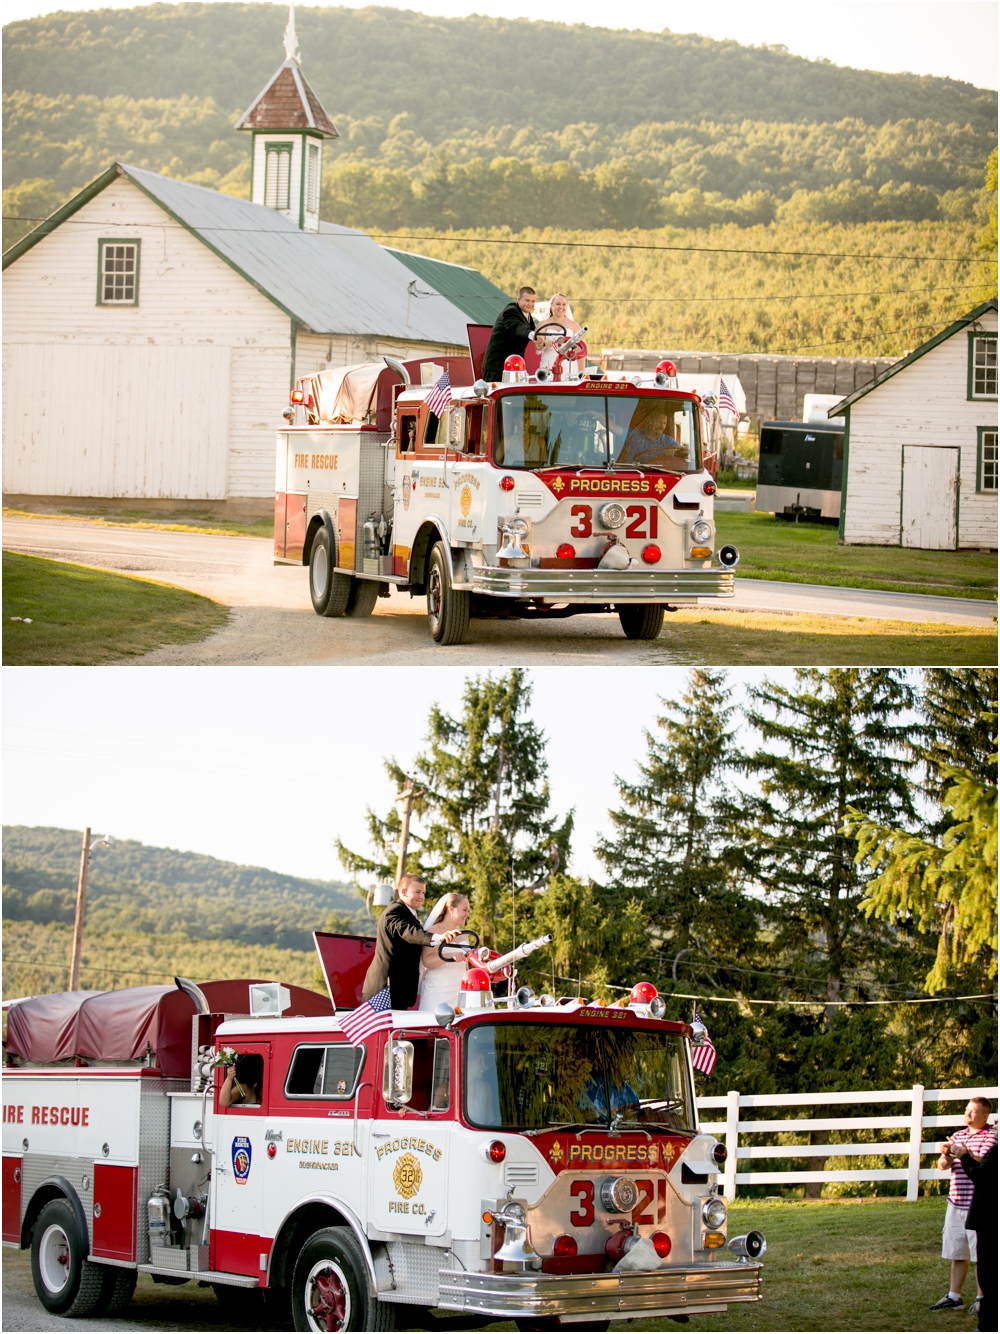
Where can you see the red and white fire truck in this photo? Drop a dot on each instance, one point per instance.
(520, 1158)
(533, 497)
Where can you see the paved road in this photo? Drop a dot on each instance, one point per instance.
(273, 621)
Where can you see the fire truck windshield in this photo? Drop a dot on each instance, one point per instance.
(539, 430)
(537, 1077)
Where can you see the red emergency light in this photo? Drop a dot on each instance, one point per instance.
(514, 363)
(507, 483)
(708, 487)
(642, 993)
(651, 554)
(666, 368)
(565, 550)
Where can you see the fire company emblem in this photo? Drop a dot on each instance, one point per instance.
(466, 501)
(242, 1152)
(556, 1152)
(558, 485)
(407, 1176)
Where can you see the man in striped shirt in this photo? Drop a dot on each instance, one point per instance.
(957, 1244)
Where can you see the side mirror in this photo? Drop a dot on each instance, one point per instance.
(397, 1077)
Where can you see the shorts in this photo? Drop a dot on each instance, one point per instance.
(957, 1242)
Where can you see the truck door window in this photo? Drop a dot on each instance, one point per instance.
(475, 441)
(448, 429)
(324, 1071)
(248, 1089)
(441, 1076)
(431, 1071)
(407, 434)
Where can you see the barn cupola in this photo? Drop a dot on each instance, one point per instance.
(288, 124)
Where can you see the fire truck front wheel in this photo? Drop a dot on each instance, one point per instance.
(330, 591)
(66, 1282)
(641, 620)
(330, 1286)
(447, 609)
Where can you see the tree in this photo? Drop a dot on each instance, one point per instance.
(482, 807)
(838, 739)
(948, 887)
(666, 849)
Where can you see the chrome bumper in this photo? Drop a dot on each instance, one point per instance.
(604, 585)
(664, 1291)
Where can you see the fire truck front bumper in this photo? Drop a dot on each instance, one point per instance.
(576, 1297)
(604, 586)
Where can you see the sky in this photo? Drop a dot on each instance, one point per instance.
(955, 40)
(268, 766)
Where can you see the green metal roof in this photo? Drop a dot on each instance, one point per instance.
(466, 288)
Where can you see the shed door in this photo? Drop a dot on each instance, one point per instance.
(144, 421)
(930, 497)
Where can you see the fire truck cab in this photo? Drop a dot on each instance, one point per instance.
(528, 498)
(513, 1158)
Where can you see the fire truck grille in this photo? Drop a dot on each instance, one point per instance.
(663, 1291)
(605, 585)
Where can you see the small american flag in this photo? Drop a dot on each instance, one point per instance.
(440, 396)
(726, 399)
(704, 1055)
(369, 1018)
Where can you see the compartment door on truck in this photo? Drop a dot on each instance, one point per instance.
(467, 473)
(239, 1135)
(409, 1155)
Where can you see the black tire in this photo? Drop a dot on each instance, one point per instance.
(363, 596)
(447, 610)
(330, 1286)
(66, 1282)
(641, 620)
(119, 1285)
(328, 589)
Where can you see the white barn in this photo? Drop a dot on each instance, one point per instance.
(920, 444)
(152, 328)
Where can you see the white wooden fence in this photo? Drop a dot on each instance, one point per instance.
(735, 1133)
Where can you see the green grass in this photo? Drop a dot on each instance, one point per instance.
(83, 616)
(843, 1265)
(808, 553)
(171, 521)
(722, 638)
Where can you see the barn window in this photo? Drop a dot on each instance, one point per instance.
(312, 179)
(982, 365)
(986, 462)
(117, 273)
(277, 175)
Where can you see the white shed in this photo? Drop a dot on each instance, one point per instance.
(152, 328)
(920, 444)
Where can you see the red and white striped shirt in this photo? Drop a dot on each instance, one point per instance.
(968, 1141)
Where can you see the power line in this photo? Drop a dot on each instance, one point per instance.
(573, 245)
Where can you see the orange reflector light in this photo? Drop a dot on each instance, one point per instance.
(701, 553)
(564, 1246)
(487, 1218)
(297, 396)
(497, 1151)
(651, 554)
(565, 550)
(661, 1244)
(507, 483)
(714, 1240)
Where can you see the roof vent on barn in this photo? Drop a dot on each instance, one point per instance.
(288, 124)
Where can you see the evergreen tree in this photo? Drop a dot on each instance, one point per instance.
(666, 849)
(482, 810)
(838, 739)
(958, 705)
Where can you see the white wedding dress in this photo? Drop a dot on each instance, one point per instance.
(440, 984)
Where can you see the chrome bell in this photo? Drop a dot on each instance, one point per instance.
(517, 1248)
(512, 553)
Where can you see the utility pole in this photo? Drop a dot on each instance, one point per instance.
(407, 796)
(81, 902)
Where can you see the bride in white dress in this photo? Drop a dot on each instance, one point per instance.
(439, 980)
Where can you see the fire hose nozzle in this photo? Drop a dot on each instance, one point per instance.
(522, 952)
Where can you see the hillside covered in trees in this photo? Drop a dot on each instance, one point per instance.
(162, 892)
(509, 122)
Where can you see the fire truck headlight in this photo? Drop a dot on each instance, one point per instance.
(714, 1213)
(701, 532)
(612, 515)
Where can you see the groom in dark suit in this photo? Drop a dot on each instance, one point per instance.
(400, 937)
(512, 330)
